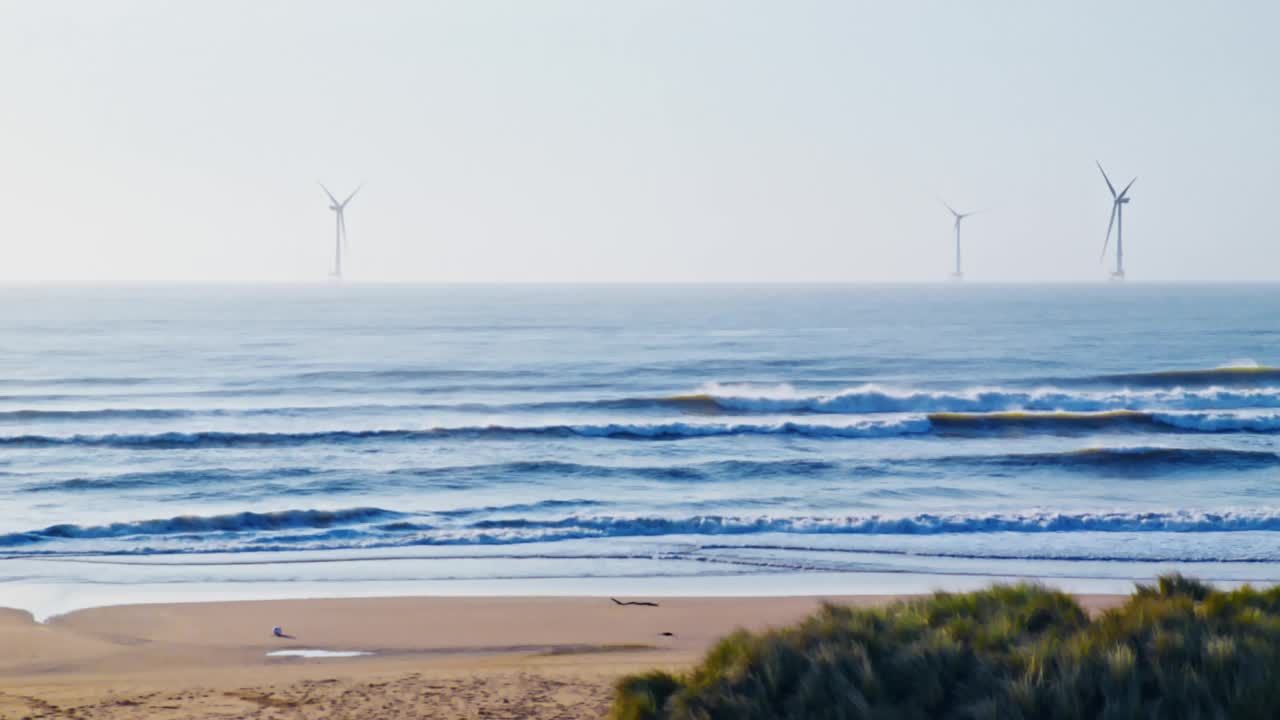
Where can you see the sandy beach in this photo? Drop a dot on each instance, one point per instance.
(488, 657)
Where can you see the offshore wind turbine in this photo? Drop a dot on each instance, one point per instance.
(959, 216)
(1118, 201)
(340, 223)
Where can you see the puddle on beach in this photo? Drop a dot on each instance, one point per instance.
(318, 653)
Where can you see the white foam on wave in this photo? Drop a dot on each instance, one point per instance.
(879, 427)
(1240, 363)
(872, 398)
(859, 429)
(518, 530)
(1031, 521)
(1220, 422)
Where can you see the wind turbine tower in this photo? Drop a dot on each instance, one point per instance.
(340, 241)
(959, 216)
(1118, 201)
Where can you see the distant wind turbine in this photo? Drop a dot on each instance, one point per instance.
(340, 242)
(1118, 201)
(958, 274)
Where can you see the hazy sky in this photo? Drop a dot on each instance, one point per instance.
(549, 140)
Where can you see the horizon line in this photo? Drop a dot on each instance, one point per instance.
(945, 282)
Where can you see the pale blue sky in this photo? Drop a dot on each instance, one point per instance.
(688, 140)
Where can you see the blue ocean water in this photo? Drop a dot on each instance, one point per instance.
(339, 434)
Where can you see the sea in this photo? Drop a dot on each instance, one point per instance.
(161, 443)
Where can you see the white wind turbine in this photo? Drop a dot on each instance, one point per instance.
(958, 274)
(340, 241)
(1118, 201)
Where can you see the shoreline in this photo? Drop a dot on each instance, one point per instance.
(47, 600)
(210, 659)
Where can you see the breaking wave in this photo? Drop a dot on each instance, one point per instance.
(942, 423)
(375, 527)
(876, 399)
(638, 431)
(1242, 388)
(922, 524)
(189, 524)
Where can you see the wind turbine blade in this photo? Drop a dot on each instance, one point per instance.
(1107, 242)
(342, 220)
(332, 199)
(1126, 187)
(353, 194)
(1110, 187)
(948, 207)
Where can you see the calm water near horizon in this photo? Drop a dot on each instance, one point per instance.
(640, 437)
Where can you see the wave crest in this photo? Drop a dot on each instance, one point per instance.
(374, 527)
(949, 423)
(869, 399)
(637, 431)
(186, 524)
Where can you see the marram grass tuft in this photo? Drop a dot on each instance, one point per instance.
(1177, 649)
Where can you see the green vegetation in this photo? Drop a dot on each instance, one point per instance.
(1178, 649)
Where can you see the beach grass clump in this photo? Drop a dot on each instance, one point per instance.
(1177, 649)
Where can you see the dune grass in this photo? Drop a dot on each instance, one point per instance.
(1176, 649)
